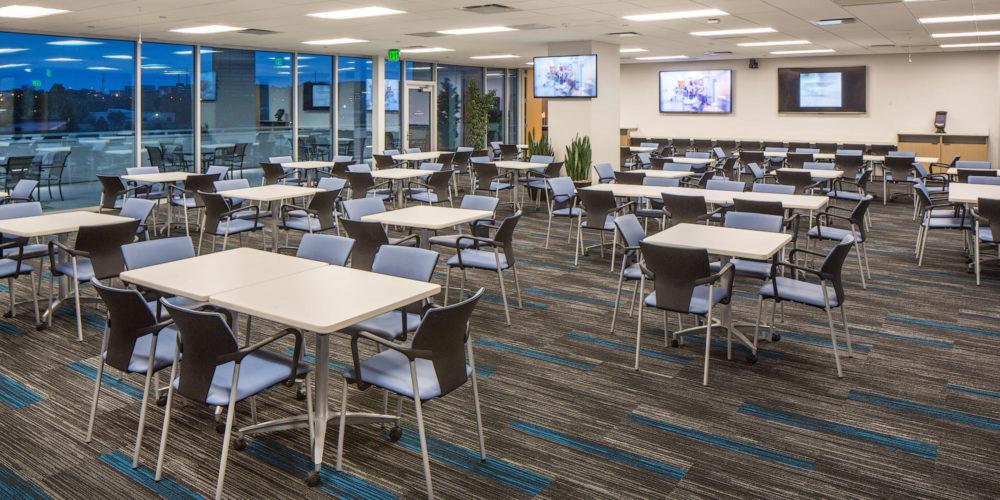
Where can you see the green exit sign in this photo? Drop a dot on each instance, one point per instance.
(392, 55)
(279, 61)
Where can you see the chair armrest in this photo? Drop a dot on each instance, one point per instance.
(410, 353)
(408, 238)
(729, 268)
(796, 267)
(174, 187)
(254, 208)
(284, 209)
(478, 239)
(623, 206)
(155, 329)
(12, 199)
(66, 248)
(828, 216)
(246, 351)
(803, 250)
(834, 207)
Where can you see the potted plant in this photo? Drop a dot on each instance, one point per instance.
(541, 147)
(578, 157)
(477, 114)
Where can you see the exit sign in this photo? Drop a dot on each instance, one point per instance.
(392, 55)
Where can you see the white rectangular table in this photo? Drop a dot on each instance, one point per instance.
(397, 176)
(665, 174)
(323, 301)
(690, 161)
(715, 196)
(960, 192)
(158, 178)
(427, 218)
(274, 192)
(641, 149)
(309, 166)
(423, 156)
(817, 173)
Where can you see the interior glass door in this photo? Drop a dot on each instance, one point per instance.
(419, 100)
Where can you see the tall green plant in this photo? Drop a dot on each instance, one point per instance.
(578, 158)
(541, 147)
(477, 114)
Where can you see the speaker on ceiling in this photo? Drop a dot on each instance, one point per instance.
(753, 64)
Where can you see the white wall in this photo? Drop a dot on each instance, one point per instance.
(902, 97)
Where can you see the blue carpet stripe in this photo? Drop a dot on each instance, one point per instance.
(722, 442)
(944, 326)
(14, 486)
(972, 390)
(887, 441)
(925, 410)
(908, 282)
(547, 265)
(89, 319)
(15, 395)
(809, 339)
(338, 484)
(936, 343)
(626, 348)
(9, 329)
(484, 371)
(108, 381)
(493, 469)
(979, 316)
(565, 296)
(166, 487)
(720, 345)
(535, 354)
(599, 450)
(511, 301)
(481, 371)
(952, 276)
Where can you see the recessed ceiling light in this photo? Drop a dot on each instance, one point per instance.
(781, 42)
(964, 45)
(743, 31)
(634, 49)
(175, 72)
(62, 59)
(424, 50)
(959, 19)
(476, 31)
(118, 56)
(11, 51)
(530, 63)
(683, 14)
(957, 35)
(2, 66)
(202, 51)
(833, 22)
(357, 13)
(155, 66)
(659, 58)
(102, 68)
(334, 41)
(808, 51)
(28, 11)
(73, 43)
(497, 56)
(207, 29)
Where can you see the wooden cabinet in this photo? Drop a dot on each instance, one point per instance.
(946, 146)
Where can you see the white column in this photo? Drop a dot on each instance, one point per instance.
(378, 104)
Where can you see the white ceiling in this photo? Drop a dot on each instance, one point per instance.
(889, 22)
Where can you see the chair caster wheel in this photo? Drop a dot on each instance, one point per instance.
(395, 434)
(775, 337)
(161, 400)
(289, 383)
(751, 359)
(312, 480)
(41, 327)
(675, 343)
(300, 394)
(220, 427)
(239, 443)
(8, 314)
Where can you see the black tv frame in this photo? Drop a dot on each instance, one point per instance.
(790, 103)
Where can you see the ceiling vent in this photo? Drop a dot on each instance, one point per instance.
(257, 32)
(719, 53)
(622, 34)
(854, 3)
(529, 27)
(426, 34)
(834, 22)
(490, 8)
(882, 46)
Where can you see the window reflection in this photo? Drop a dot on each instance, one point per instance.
(315, 101)
(354, 107)
(167, 105)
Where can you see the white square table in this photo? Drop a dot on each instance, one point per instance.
(714, 196)
(274, 192)
(397, 176)
(518, 166)
(960, 192)
(817, 173)
(423, 156)
(323, 301)
(427, 218)
(309, 166)
(690, 161)
(641, 149)
(665, 174)
(159, 178)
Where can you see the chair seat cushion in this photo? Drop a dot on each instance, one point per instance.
(388, 325)
(480, 259)
(831, 233)
(83, 266)
(298, 213)
(746, 268)
(8, 267)
(537, 184)
(802, 292)
(166, 342)
(569, 212)
(30, 251)
(609, 224)
(633, 272)
(943, 212)
(424, 197)
(302, 224)
(390, 370)
(179, 202)
(985, 234)
(249, 214)
(499, 186)
(258, 371)
(237, 226)
(947, 223)
(699, 299)
(846, 195)
(649, 212)
(407, 243)
(451, 241)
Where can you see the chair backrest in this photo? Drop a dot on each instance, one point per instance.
(200, 183)
(755, 221)
(368, 238)
(676, 272)
(899, 167)
(443, 333)
(463, 149)
(508, 151)
(215, 206)
(15, 211)
(204, 337)
(697, 154)
(153, 252)
(331, 184)
(405, 262)
(799, 179)
(964, 173)
(485, 174)
(882, 149)
(901, 154)
(24, 189)
(848, 162)
(644, 159)
(155, 156)
(973, 164)
(143, 171)
(989, 208)
(649, 145)
(669, 165)
(759, 187)
(833, 265)
(983, 179)
(758, 207)
(111, 188)
(440, 183)
(849, 152)
(563, 189)
(598, 205)
(446, 159)
(479, 202)
(631, 232)
(333, 250)
(807, 150)
(706, 178)
(754, 157)
(461, 160)
(826, 147)
(324, 202)
(361, 183)
(758, 173)
(605, 172)
(390, 152)
(860, 148)
(504, 236)
(409, 150)
(279, 159)
(660, 181)
(795, 160)
(104, 244)
(719, 153)
(128, 319)
(357, 208)
(541, 159)
(220, 170)
(383, 161)
(725, 185)
(793, 145)
(775, 149)
(683, 208)
(431, 166)
(273, 172)
(818, 165)
(553, 170)
(632, 178)
(231, 184)
(137, 208)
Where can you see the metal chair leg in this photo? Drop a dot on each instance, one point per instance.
(638, 328)
(475, 401)
(230, 416)
(420, 429)
(93, 404)
(503, 294)
(833, 333)
(343, 424)
(145, 401)
(166, 419)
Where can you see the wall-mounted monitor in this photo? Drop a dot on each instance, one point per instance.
(696, 91)
(315, 96)
(566, 76)
(818, 90)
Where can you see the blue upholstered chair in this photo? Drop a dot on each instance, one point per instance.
(498, 258)
(988, 215)
(599, 209)
(138, 209)
(220, 220)
(476, 228)
(334, 250)
(605, 172)
(856, 227)
(632, 233)
(772, 188)
(936, 212)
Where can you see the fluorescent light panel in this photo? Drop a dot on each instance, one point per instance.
(964, 34)
(118, 56)
(102, 68)
(959, 19)
(965, 45)
(742, 31)
(425, 50)
(683, 14)
(628, 51)
(73, 43)
(659, 58)
(207, 29)
(11, 51)
(62, 59)
(357, 13)
(19, 65)
(808, 51)
(335, 41)
(476, 31)
(497, 56)
(781, 42)
(28, 11)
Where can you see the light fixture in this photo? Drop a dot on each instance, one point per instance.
(19, 65)
(28, 11)
(959, 19)
(62, 59)
(741, 31)
(476, 31)
(781, 42)
(118, 56)
(660, 58)
(11, 51)
(175, 72)
(964, 45)
(73, 43)
(496, 56)
(967, 33)
(155, 66)
(207, 29)
(631, 50)
(202, 51)
(102, 68)
(334, 41)
(808, 51)
(683, 14)
(834, 22)
(425, 50)
(530, 63)
(357, 13)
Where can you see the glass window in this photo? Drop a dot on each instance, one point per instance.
(167, 104)
(496, 80)
(419, 71)
(66, 111)
(393, 123)
(513, 106)
(246, 98)
(354, 107)
(452, 84)
(315, 101)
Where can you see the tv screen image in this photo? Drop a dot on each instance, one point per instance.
(321, 96)
(566, 76)
(696, 91)
(819, 90)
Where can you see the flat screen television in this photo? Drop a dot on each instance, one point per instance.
(696, 91)
(316, 96)
(822, 90)
(566, 76)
